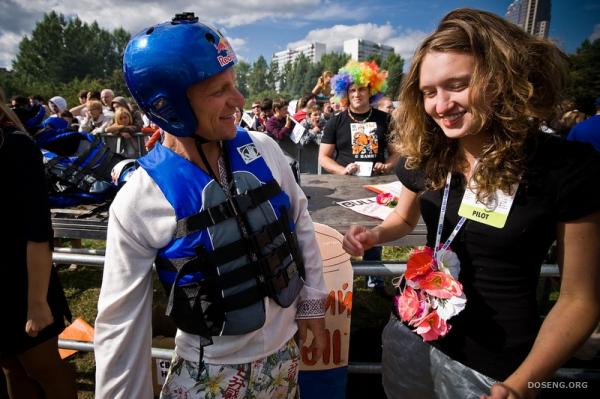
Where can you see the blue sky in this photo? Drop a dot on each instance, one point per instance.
(265, 26)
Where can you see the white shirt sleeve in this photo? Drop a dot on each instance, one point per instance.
(141, 221)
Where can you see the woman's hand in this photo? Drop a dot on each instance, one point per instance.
(502, 391)
(358, 239)
(39, 317)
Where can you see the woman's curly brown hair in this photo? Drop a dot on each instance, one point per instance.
(516, 84)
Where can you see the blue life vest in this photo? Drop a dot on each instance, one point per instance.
(217, 275)
(78, 166)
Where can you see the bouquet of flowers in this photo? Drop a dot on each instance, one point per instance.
(386, 199)
(432, 293)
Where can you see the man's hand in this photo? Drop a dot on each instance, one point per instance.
(39, 317)
(381, 168)
(351, 169)
(319, 341)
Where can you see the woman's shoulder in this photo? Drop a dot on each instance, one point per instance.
(18, 142)
(555, 154)
(411, 178)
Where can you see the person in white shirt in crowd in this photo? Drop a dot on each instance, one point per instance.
(106, 96)
(95, 122)
(218, 211)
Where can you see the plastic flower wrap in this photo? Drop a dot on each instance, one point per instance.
(386, 199)
(432, 293)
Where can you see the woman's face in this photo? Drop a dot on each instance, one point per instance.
(124, 119)
(95, 112)
(444, 83)
(315, 116)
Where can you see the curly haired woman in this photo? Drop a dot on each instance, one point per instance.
(496, 192)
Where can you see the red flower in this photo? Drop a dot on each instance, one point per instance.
(440, 285)
(384, 198)
(431, 327)
(420, 263)
(407, 304)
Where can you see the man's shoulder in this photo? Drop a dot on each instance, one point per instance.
(592, 124)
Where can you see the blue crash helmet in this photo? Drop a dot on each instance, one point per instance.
(161, 62)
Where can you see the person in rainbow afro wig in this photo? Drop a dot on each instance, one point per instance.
(366, 73)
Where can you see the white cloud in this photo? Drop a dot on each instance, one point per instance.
(135, 15)
(596, 33)
(334, 37)
(9, 43)
(404, 42)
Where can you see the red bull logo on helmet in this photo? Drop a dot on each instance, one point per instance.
(225, 54)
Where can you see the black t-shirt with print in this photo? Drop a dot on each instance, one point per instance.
(352, 142)
(500, 267)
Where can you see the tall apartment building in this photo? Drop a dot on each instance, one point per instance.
(361, 49)
(313, 51)
(533, 16)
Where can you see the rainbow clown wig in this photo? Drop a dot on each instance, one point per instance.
(360, 74)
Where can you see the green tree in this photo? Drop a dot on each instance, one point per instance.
(394, 65)
(273, 76)
(59, 51)
(242, 71)
(297, 81)
(333, 61)
(583, 84)
(257, 81)
(376, 58)
(284, 77)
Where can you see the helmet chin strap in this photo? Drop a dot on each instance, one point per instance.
(200, 140)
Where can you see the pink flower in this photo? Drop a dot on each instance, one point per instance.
(440, 285)
(384, 198)
(387, 199)
(407, 304)
(431, 327)
(420, 263)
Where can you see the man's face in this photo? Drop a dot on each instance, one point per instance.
(106, 98)
(256, 108)
(214, 102)
(358, 97)
(386, 106)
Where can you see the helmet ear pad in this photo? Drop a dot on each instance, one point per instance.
(162, 62)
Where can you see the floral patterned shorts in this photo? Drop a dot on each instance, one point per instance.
(275, 376)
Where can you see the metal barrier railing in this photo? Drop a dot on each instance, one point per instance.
(355, 367)
(120, 145)
(361, 268)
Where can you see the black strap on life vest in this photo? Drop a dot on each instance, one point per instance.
(87, 170)
(238, 204)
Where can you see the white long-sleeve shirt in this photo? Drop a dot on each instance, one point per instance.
(141, 222)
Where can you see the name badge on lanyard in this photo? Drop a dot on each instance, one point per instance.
(495, 213)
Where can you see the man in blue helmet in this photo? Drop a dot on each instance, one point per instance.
(219, 213)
